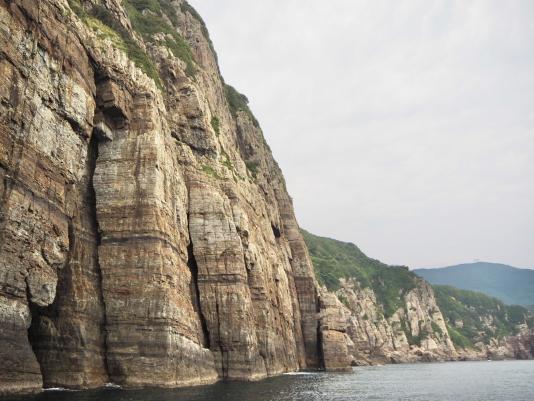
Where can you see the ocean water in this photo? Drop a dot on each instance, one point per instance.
(455, 381)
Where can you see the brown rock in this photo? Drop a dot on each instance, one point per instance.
(335, 351)
(336, 345)
(137, 244)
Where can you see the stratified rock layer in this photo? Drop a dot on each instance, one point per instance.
(336, 345)
(146, 234)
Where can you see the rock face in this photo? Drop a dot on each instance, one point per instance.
(146, 234)
(336, 344)
(415, 332)
(520, 346)
(391, 315)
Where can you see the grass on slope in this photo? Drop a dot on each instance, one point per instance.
(148, 17)
(472, 308)
(334, 259)
(99, 19)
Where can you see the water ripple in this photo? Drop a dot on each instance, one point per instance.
(460, 381)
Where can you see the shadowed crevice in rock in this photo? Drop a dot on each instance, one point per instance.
(276, 231)
(39, 332)
(224, 354)
(71, 237)
(4, 198)
(91, 165)
(74, 329)
(195, 295)
(75, 125)
(320, 342)
(33, 335)
(91, 162)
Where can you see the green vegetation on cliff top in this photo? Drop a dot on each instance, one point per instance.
(99, 19)
(472, 316)
(334, 259)
(238, 102)
(148, 17)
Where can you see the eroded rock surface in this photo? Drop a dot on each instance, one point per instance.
(336, 345)
(146, 234)
(415, 332)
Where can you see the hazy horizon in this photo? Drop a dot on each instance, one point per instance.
(403, 127)
(473, 262)
(440, 266)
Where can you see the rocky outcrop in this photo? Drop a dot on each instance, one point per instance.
(519, 346)
(336, 345)
(146, 234)
(415, 332)
(484, 327)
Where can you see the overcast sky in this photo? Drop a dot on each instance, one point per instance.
(406, 127)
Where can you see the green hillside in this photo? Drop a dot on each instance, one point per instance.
(334, 259)
(511, 285)
(465, 311)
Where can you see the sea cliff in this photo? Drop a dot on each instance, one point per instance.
(147, 237)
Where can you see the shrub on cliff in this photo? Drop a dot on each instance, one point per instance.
(238, 102)
(147, 19)
(472, 316)
(100, 20)
(334, 259)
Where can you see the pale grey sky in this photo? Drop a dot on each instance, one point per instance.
(406, 127)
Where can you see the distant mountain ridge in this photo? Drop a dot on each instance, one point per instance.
(512, 285)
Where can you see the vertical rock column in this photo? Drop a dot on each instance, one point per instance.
(222, 281)
(268, 276)
(304, 278)
(336, 345)
(68, 335)
(47, 244)
(154, 334)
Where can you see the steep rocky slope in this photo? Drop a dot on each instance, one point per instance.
(146, 234)
(484, 327)
(391, 315)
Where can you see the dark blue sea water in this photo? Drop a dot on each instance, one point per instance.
(458, 381)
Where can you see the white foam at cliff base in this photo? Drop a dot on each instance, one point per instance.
(300, 373)
(112, 385)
